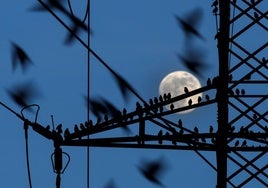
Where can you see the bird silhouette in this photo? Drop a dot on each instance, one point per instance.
(168, 96)
(56, 5)
(193, 59)
(101, 106)
(125, 88)
(23, 93)
(77, 25)
(155, 100)
(52, 5)
(172, 106)
(207, 97)
(180, 123)
(110, 184)
(208, 82)
(89, 124)
(106, 118)
(243, 92)
(151, 102)
(186, 90)
(152, 170)
(210, 129)
(19, 57)
(66, 134)
(196, 130)
(236, 143)
(244, 143)
(213, 141)
(59, 128)
(215, 3)
(159, 135)
(161, 98)
(264, 60)
(97, 107)
(232, 129)
(237, 91)
(111, 109)
(82, 126)
(76, 129)
(215, 10)
(199, 99)
(189, 23)
(190, 102)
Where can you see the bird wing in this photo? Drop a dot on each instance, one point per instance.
(194, 17)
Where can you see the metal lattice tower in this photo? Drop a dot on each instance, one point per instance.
(248, 96)
(240, 93)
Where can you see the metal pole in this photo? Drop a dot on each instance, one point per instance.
(222, 93)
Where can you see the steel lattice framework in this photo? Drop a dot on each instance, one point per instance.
(240, 92)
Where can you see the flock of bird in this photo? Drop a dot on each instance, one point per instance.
(23, 93)
(193, 57)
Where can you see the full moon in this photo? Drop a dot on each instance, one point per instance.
(175, 83)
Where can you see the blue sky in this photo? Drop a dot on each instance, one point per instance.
(139, 40)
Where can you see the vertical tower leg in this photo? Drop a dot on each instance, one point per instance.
(222, 93)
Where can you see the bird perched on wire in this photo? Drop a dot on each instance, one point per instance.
(19, 57)
(152, 170)
(189, 23)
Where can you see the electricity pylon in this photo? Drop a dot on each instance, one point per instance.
(240, 138)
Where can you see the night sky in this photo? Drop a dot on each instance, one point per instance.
(139, 40)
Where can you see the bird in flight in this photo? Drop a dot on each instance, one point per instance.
(110, 184)
(152, 170)
(19, 57)
(194, 60)
(189, 23)
(57, 5)
(22, 94)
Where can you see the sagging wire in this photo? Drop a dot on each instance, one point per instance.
(72, 12)
(29, 106)
(27, 153)
(26, 126)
